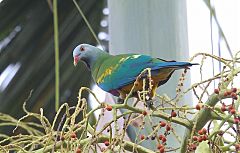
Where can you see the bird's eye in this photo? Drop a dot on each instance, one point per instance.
(82, 48)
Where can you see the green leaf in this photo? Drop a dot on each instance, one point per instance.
(203, 147)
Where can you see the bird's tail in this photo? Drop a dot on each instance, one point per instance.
(180, 64)
(173, 64)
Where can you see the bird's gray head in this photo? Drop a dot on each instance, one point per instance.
(87, 53)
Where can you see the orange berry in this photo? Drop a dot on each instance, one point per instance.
(220, 133)
(200, 132)
(164, 139)
(235, 98)
(204, 130)
(144, 113)
(161, 136)
(62, 138)
(229, 92)
(162, 124)
(198, 107)
(233, 111)
(195, 138)
(230, 107)
(106, 143)
(161, 150)
(204, 137)
(173, 113)
(194, 146)
(168, 127)
(223, 108)
(236, 120)
(216, 91)
(234, 95)
(142, 137)
(200, 139)
(109, 108)
(78, 150)
(73, 135)
(234, 90)
(159, 146)
(237, 147)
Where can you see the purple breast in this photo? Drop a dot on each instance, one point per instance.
(114, 92)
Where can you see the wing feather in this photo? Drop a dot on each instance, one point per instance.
(123, 69)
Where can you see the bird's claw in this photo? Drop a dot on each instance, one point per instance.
(120, 101)
(149, 103)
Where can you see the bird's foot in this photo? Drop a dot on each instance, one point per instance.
(149, 103)
(120, 101)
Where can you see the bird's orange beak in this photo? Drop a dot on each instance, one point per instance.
(76, 59)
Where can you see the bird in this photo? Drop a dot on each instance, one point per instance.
(116, 74)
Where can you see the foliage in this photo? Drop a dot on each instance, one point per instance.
(32, 47)
(207, 124)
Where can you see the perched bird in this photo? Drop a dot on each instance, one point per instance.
(116, 74)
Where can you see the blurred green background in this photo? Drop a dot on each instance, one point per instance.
(27, 53)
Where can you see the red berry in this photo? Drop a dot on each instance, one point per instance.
(220, 133)
(173, 113)
(162, 124)
(159, 146)
(234, 90)
(225, 94)
(106, 143)
(204, 130)
(144, 113)
(195, 138)
(233, 111)
(204, 137)
(216, 91)
(161, 136)
(200, 132)
(234, 95)
(164, 139)
(235, 98)
(237, 147)
(229, 92)
(62, 138)
(78, 150)
(73, 135)
(230, 107)
(161, 150)
(108, 107)
(198, 107)
(168, 127)
(223, 108)
(200, 139)
(193, 146)
(142, 137)
(236, 120)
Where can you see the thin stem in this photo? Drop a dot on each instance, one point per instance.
(129, 146)
(56, 46)
(86, 21)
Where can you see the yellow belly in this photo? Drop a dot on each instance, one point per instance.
(161, 76)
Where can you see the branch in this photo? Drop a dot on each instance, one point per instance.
(129, 146)
(184, 122)
(205, 115)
